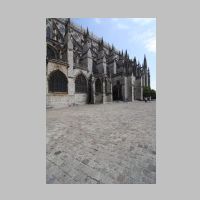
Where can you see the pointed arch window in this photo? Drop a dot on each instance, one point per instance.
(48, 32)
(80, 84)
(58, 82)
(51, 54)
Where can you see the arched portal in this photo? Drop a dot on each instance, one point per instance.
(117, 92)
(58, 82)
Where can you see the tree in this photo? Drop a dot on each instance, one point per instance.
(146, 91)
(153, 94)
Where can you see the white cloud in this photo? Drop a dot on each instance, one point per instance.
(147, 38)
(143, 21)
(150, 44)
(142, 31)
(122, 26)
(114, 19)
(119, 23)
(97, 20)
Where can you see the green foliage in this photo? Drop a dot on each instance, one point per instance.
(148, 92)
(153, 94)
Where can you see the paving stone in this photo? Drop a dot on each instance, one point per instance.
(104, 143)
(152, 168)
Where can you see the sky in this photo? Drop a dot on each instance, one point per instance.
(136, 35)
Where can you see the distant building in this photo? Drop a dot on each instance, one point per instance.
(81, 68)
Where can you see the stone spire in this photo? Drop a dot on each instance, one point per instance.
(68, 44)
(134, 61)
(67, 26)
(113, 48)
(101, 44)
(86, 36)
(86, 52)
(144, 62)
(112, 51)
(134, 65)
(126, 54)
(101, 59)
(149, 79)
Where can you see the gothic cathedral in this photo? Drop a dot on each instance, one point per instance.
(83, 69)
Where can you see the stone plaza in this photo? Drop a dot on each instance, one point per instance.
(113, 143)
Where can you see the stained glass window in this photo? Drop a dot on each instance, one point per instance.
(57, 82)
(48, 32)
(80, 84)
(51, 53)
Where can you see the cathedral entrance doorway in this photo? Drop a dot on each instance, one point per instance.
(117, 92)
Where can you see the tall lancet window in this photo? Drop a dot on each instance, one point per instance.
(48, 32)
(98, 86)
(51, 53)
(80, 84)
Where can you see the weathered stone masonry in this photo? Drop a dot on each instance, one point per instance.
(81, 68)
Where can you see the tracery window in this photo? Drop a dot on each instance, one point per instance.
(50, 53)
(58, 82)
(48, 32)
(80, 84)
(98, 86)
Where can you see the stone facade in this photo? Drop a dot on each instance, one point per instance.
(81, 68)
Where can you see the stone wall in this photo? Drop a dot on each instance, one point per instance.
(52, 66)
(129, 88)
(108, 98)
(99, 98)
(59, 100)
(80, 99)
(138, 90)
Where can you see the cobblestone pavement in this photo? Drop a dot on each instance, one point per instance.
(105, 143)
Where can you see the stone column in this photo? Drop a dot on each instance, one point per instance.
(111, 98)
(89, 61)
(70, 59)
(71, 86)
(125, 88)
(132, 87)
(103, 88)
(114, 67)
(104, 65)
(93, 89)
(87, 58)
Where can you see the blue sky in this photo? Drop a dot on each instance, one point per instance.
(137, 35)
